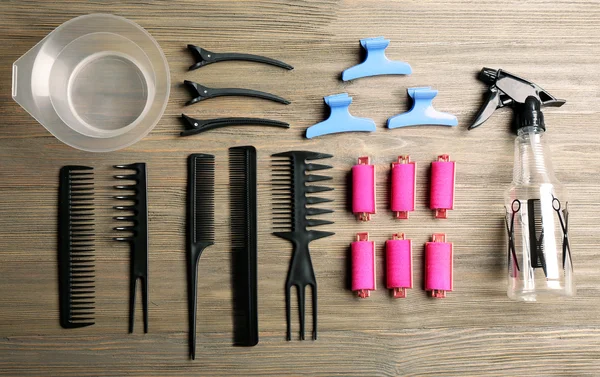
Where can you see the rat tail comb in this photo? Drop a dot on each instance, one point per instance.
(200, 226)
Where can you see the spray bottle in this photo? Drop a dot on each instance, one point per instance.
(539, 255)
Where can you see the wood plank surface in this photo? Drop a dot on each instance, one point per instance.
(476, 331)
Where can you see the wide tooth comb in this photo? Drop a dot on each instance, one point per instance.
(200, 227)
(244, 240)
(75, 246)
(290, 222)
(138, 234)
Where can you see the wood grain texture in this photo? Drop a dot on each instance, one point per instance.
(476, 331)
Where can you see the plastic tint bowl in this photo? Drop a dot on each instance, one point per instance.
(98, 82)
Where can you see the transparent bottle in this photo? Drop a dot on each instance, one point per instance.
(539, 255)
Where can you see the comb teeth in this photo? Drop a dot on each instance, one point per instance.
(317, 211)
(282, 183)
(242, 182)
(315, 167)
(76, 246)
(290, 189)
(202, 178)
(314, 189)
(136, 195)
(316, 200)
(317, 178)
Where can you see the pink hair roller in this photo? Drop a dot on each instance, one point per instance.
(363, 189)
(398, 256)
(442, 186)
(438, 266)
(363, 265)
(404, 174)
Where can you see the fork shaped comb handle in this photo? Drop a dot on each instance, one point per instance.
(139, 271)
(301, 274)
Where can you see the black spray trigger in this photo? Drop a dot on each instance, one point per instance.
(506, 89)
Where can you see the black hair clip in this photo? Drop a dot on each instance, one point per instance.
(201, 92)
(195, 126)
(204, 57)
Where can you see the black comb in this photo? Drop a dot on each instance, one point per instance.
(244, 243)
(200, 226)
(536, 234)
(76, 246)
(138, 233)
(291, 221)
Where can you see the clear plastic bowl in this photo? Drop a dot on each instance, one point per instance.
(97, 82)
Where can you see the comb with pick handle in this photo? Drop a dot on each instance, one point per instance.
(137, 230)
(293, 213)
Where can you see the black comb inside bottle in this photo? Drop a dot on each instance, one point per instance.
(136, 196)
(200, 226)
(76, 246)
(536, 234)
(244, 243)
(292, 220)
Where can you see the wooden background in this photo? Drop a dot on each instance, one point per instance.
(475, 331)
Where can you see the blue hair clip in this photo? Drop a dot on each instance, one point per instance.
(340, 119)
(422, 111)
(376, 62)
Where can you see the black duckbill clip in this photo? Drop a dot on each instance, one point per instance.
(204, 57)
(201, 93)
(195, 126)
